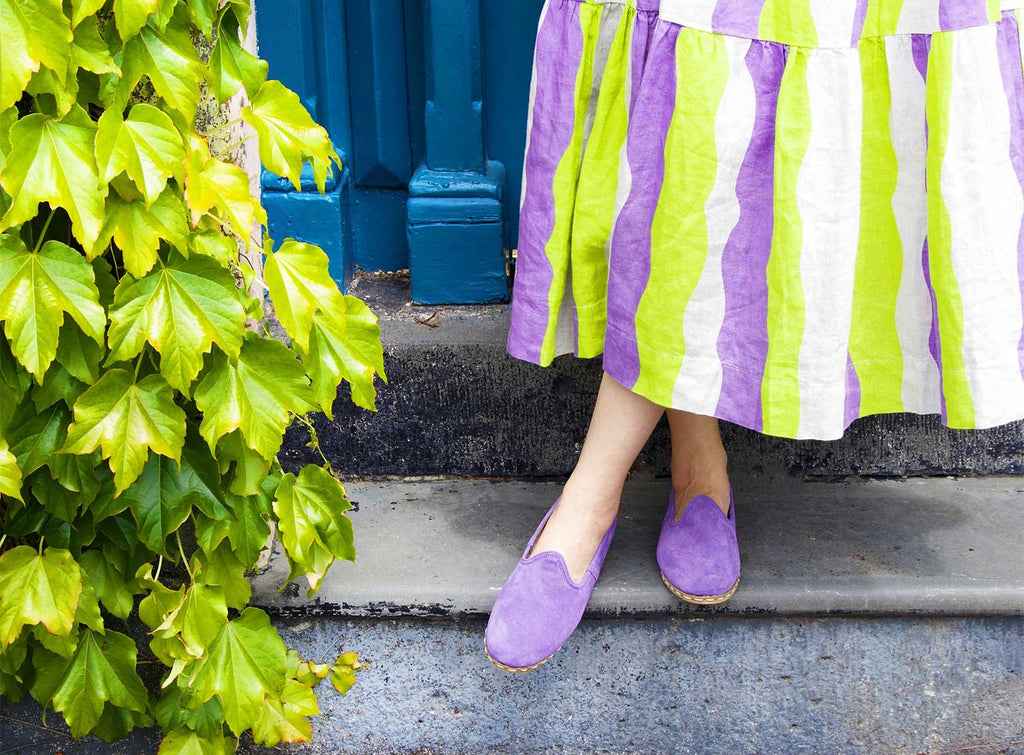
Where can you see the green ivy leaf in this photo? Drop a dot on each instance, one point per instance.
(197, 620)
(91, 51)
(37, 589)
(181, 308)
(248, 468)
(138, 230)
(125, 419)
(170, 61)
(162, 499)
(288, 136)
(246, 528)
(36, 290)
(185, 741)
(110, 584)
(102, 671)
(53, 161)
(284, 719)
(145, 145)
(343, 672)
(214, 244)
(211, 183)
(223, 568)
(10, 474)
(232, 67)
(131, 15)
(78, 353)
(203, 14)
(88, 52)
(314, 529)
(299, 279)
(254, 393)
(36, 436)
(82, 9)
(344, 344)
(34, 32)
(244, 664)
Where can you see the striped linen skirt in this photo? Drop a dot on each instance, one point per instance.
(786, 214)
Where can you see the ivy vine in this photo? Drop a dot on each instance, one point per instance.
(141, 393)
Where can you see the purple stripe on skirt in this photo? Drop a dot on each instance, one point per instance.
(959, 14)
(743, 339)
(858, 21)
(738, 17)
(558, 55)
(630, 249)
(1013, 82)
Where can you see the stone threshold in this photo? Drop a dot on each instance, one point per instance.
(937, 546)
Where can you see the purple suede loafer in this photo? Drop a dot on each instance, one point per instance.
(539, 606)
(698, 556)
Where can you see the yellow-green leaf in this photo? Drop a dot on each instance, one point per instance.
(110, 584)
(197, 620)
(298, 277)
(244, 664)
(211, 183)
(37, 589)
(10, 474)
(314, 529)
(53, 161)
(102, 671)
(232, 67)
(288, 136)
(284, 719)
(138, 231)
(125, 419)
(145, 145)
(170, 61)
(182, 309)
(344, 344)
(32, 32)
(185, 741)
(131, 15)
(254, 393)
(36, 290)
(343, 672)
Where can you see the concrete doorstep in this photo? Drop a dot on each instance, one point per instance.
(872, 617)
(919, 546)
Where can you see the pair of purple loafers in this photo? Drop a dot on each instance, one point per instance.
(540, 605)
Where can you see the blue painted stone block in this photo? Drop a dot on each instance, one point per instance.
(321, 219)
(456, 236)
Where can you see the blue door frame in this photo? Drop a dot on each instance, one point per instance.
(426, 103)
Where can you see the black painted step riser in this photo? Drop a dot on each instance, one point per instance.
(468, 408)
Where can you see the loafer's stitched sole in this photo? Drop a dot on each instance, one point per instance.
(515, 669)
(703, 600)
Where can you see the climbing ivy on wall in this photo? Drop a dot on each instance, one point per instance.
(142, 397)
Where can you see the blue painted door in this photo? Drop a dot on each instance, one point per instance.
(426, 103)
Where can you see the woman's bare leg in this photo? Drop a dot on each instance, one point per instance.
(699, 461)
(620, 426)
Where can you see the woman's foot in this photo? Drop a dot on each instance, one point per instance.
(620, 426)
(699, 460)
(576, 526)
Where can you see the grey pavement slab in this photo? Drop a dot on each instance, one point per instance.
(929, 546)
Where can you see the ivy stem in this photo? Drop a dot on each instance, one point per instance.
(138, 365)
(3, 538)
(41, 541)
(192, 579)
(159, 566)
(42, 233)
(230, 147)
(221, 127)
